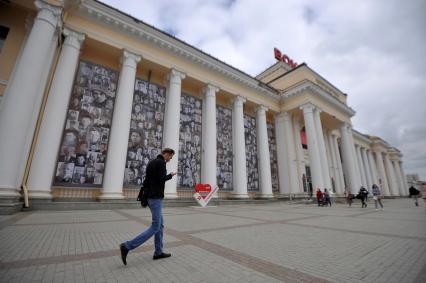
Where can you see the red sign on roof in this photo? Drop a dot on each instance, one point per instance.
(284, 58)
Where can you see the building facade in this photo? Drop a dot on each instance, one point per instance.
(89, 95)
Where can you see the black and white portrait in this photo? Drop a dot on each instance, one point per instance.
(224, 148)
(87, 127)
(189, 165)
(251, 153)
(273, 156)
(146, 130)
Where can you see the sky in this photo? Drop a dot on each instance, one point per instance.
(373, 50)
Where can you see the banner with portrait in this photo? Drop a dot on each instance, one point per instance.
(251, 153)
(85, 138)
(224, 148)
(189, 165)
(146, 130)
(273, 156)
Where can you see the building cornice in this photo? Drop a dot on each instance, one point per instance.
(126, 24)
(278, 65)
(308, 86)
(361, 137)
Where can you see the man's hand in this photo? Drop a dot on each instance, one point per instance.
(173, 173)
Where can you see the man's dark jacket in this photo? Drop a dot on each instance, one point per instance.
(413, 191)
(155, 178)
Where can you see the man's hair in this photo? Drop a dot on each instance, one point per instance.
(168, 150)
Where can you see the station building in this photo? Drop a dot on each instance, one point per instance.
(90, 94)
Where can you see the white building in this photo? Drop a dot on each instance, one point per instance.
(90, 94)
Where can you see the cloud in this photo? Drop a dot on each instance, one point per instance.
(372, 50)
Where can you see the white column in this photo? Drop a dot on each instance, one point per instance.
(329, 139)
(120, 128)
(361, 166)
(23, 96)
(301, 166)
(239, 149)
(282, 155)
(330, 162)
(357, 170)
(349, 158)
(291, 149)
(209, 150)
(321, 145)
(397, 170)
(172, 126)
(313, 147)
(49, 137)
(373, 168)
(382, 174)
(339, 168)
(264, 158)
(364, 161)
(403, 178)
(391, 176)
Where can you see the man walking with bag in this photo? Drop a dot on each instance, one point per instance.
(155, 178)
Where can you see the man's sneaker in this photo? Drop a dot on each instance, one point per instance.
(162, 255)
(124, 251)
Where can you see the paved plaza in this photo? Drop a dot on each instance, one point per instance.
(273, 242)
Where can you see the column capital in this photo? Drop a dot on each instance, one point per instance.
(308, 107)
(130, 59)
(284, 116)
(175, 76)
(239, 100)
(346, 126)
(210, 90)
(73, 38)
(261, 109)
(48, 13)
(317, 110)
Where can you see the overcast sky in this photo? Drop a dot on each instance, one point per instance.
(373, 50)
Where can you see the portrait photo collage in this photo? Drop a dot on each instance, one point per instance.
(251, 154)
(224, 148)
(189, 165)
(84, 144)
(146, 130)
(273, 156)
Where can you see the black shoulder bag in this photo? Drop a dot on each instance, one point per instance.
(142, 196)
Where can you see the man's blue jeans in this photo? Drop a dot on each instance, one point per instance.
(156, 228)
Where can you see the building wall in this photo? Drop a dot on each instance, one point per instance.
(13, 17)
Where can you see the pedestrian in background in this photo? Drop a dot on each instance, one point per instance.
(349, 197)
(319, 197)
(377, 196)
(363, 196)
(327, 197)
(415, 194)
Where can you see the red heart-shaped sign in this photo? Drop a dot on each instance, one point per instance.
(203, 189)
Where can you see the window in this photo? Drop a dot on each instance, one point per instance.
(3, 34)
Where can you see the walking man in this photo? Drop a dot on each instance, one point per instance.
(363, 196)
(155, 178)
(414, 193)
(377, 196)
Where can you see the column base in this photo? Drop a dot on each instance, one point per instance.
(239, 196)
(9, 193)
(10, 202)
(111, 196)
(266, 196)
(37, 194)
(170, 195)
